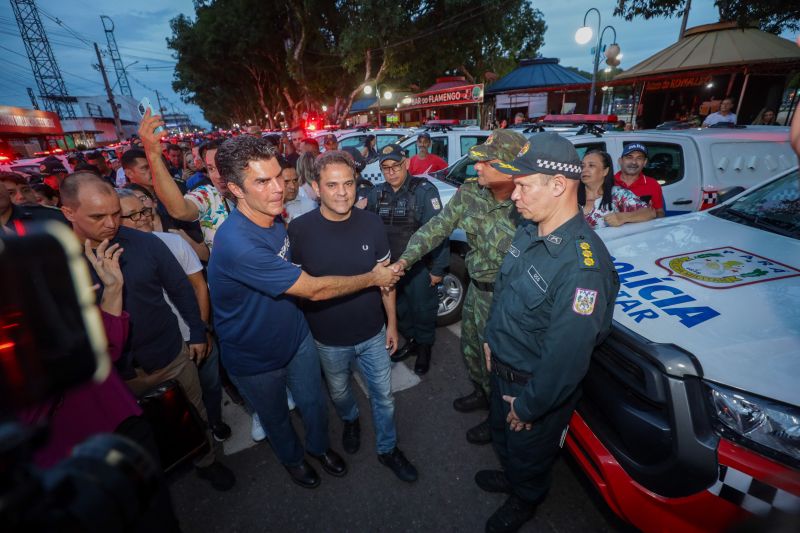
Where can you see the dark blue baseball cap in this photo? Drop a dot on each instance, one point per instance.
(634, 147)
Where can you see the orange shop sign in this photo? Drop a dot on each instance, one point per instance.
(467, 94)
(678, 83)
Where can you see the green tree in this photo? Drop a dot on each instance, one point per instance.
(773, 16)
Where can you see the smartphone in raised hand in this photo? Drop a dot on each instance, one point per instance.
(144, 105)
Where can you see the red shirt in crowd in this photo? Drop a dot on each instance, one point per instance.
(643, 187)
(420, 167)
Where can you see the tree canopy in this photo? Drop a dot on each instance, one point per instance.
(773, 16)
(240, 59)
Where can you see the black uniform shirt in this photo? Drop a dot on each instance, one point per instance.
(553, 302)
(427, 205)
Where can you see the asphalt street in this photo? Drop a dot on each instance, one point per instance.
(370, 497)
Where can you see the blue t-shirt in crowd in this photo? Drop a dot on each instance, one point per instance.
(346, 248)
(259, 326)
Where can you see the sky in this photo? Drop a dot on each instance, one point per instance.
(142, 27)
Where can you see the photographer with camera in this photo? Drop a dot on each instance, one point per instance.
(155, 351)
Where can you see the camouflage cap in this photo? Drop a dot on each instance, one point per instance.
(502, 144)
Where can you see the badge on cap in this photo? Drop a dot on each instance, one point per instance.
(387, 149)
(524, 150)
(489, 140)
(583, 303)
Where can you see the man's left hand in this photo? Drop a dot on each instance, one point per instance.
(391, 339)
(198, 353)
(435, 280)
(514, 423)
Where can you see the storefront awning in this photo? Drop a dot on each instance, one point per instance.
(716, 46)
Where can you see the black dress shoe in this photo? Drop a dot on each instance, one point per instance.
(398, 463)
(351, 436)
(304, 475)
(474, 401)
(480, 434)
(332, 463)
(423, 363)
(493, 481)
(405, 351)
(511, 516)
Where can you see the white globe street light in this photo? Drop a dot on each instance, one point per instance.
(387, 95)
(583, 35)
(368, 89)
(324, 109)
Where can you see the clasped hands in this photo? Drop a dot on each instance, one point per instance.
(387, 275)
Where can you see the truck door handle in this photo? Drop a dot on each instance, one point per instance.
(682, 201)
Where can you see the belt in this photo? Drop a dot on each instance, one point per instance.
(485, 286)
(508, 373)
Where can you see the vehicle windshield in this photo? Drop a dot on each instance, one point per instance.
(773, 207)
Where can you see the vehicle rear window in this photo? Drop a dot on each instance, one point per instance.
(664, 162)
(438, 147)
(356, 141)
(468, 141)
(588, 147)
(384, 140)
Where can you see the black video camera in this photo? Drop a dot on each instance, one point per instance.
(51, 340)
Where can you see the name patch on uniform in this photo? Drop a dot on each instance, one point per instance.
(555, 239)
(513, 250)
(584, 301)
(537, 278)
(435, 203)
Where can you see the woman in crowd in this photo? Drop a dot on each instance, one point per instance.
(765, 117)
(305, 170)
(603, 203)
(369, 150)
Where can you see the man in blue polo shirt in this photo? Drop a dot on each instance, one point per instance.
(266, 344)
(339, 240)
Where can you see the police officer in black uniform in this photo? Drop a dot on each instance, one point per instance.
(553, 303)
(405, 203)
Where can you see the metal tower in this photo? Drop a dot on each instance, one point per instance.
(119, 68)
(43, 62)
(32, 96)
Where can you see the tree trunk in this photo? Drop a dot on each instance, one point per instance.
(348, 103)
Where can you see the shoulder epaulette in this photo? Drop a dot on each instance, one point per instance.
(586, 257)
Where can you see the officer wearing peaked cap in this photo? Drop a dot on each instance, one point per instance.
(553, 303)
(484, 210)
(405, 203)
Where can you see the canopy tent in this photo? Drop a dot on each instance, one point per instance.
(540, 74)
(715, 46)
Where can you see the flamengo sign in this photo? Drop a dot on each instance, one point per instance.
(678, 83)
(29, 121)
(467, 94)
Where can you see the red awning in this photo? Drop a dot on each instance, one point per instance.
(21, 121)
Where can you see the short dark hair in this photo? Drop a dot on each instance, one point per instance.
(45, 190)
(129, 158)
(71, 186)
(213, 144)
(174, 148)
(87, 167)
(13, 177)
(312, 142)
(334, 157)
(236, 153)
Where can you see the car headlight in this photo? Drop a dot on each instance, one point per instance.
(768, 426)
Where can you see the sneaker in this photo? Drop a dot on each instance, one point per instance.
(221, 431)
(351, 436)
(257, 432)
(218, 475)
(398, 463)
(511, 516)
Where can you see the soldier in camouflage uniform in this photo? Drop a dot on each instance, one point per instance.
(484, 210)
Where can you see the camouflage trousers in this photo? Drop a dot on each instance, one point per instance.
(473, 321)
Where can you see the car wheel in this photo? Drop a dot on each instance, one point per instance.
(452, 291)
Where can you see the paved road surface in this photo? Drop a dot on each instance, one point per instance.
(370, 498)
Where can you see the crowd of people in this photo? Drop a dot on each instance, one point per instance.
(266, 269)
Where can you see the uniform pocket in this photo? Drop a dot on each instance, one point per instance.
(529, 295)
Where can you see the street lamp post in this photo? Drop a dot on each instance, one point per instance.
(369, 89)
(584, 35)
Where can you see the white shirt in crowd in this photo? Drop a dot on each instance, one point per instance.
(717, 118)
(189, 262)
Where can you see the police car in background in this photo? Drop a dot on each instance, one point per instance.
(690, 418)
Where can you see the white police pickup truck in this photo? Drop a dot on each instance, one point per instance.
(690, 419)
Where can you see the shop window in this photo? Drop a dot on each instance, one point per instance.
(664, 162)
(468, 141)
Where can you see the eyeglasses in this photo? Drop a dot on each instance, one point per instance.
(137, 216)
(391, 169)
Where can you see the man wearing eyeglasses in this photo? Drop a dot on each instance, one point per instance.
(405, 203)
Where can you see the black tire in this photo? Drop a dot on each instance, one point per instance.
(452, 291)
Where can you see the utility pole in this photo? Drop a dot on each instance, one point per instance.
(160, 107)
(110, 94)
(116, 59)
(685, 18)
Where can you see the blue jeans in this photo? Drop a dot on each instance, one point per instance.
(266, 393)
(373, 361)
(211, 384)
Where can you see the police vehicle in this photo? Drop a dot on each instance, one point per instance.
(690, 417)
